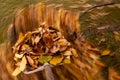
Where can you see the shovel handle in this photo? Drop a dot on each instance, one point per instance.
(48, 72)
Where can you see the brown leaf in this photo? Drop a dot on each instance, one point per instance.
(54, 49)
(31, 61)
(47, 38)
(63, 44)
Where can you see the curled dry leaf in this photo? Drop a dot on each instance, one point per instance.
(30, 61)
(23, 63)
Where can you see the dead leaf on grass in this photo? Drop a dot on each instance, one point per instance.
(105, 52)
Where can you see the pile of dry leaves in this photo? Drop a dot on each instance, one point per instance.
(44, 45)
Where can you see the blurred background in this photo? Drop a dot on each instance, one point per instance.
(100, 26)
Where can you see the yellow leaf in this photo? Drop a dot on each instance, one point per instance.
(67, 61)
(20, 35)
(56, 60)
(105, 52)
(116, 35)
(16, 71)
(23, 64)
(74, 52)
(67, 53)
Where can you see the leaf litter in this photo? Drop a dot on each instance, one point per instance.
(44, 45)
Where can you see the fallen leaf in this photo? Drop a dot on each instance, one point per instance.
(47, 38)
(19, 55)
(56, 60)
(20, 35)
(44, 59)
(37, 39)
(54, 49)
(67, 53)
(67, 61)
(16, 71)
(25, 46)
(74, 52)
(63, 44)
(105, 52)
(31, 61)
(116, 35)
(23, 63)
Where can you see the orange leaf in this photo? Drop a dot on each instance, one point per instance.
(56, 60)
(105, 52)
